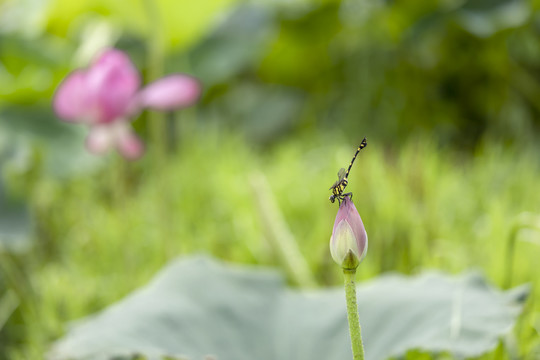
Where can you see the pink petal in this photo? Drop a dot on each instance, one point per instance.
(112, 81)
(130, 146)
(100, 139)
(117, 134)
(72, 101)
(170, 92)
(347, 212)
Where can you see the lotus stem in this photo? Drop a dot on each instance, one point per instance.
(352, 314)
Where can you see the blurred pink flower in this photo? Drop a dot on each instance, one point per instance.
(106, 96)
(349, 241)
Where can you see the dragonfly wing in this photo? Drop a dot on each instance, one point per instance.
(341, 174)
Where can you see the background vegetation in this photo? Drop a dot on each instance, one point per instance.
(447, 93)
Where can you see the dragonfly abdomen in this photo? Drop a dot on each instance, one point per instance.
(342, 182)
(363, 144)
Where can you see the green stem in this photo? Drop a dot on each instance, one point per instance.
(278, 233)
(510, 249)
(352, 314)
(119, 186)
(156, 55)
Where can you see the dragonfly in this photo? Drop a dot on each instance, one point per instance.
(343, 178)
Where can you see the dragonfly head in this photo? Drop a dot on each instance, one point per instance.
(332, 198)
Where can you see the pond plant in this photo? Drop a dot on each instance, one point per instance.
(108, 95)
(348, 246)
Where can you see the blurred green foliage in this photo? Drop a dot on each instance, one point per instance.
(101, 237)
(446, 91)
(461, 71)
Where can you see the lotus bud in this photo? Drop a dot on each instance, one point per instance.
(349, 241)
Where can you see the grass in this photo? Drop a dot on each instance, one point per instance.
(101, 236)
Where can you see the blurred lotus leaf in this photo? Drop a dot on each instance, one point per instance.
(15, 222)
(180, 23)
(236, 44)
(264, 112)
(60, 145)
(485, 17)
(15, 219)
(200, 307)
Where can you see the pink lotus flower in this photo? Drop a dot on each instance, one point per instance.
(349, 241)
(106, 96)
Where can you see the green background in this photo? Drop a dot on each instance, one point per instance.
(446, 92)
